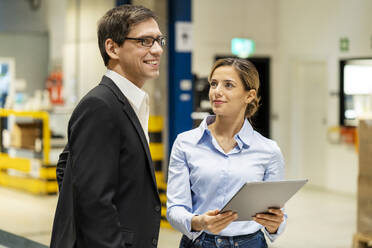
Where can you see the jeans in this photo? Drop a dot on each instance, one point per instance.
(253, 240)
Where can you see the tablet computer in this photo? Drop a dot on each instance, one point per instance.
(258, 197)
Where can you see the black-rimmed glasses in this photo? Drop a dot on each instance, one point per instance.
(149, 41)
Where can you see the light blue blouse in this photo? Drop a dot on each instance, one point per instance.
(202, 177)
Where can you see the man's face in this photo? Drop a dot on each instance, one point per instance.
(139, 63)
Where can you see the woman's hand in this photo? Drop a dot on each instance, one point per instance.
(212, 221)
(270, 221)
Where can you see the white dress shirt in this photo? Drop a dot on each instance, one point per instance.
(138, 99)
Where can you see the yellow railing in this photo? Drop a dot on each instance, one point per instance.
(41, 115)
(37, 176)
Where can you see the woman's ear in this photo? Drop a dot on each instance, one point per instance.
(252, 94)
(111, 49)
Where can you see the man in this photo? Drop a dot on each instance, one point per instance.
(108, 194)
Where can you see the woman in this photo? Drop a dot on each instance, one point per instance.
(209, 164)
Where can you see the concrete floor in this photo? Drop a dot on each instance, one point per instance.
(317, 219)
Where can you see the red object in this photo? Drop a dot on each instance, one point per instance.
(348, 134)
(54, 86)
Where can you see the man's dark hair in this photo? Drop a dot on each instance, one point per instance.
(117, 23)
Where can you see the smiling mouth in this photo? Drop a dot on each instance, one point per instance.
(152, 62)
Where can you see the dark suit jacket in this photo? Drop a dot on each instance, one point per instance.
(108, 196)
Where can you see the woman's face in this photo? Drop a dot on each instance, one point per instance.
(227, 94)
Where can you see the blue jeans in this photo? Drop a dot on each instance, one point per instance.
(253, 240)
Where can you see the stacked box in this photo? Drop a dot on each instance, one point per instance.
(24, 135)
(364, 214)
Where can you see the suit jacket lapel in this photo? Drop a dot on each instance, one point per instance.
(134, 119)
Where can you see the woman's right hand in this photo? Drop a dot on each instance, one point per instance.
(212, 221)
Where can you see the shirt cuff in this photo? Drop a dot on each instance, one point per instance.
(180, 219)
(191, 235)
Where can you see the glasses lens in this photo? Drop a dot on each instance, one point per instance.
(162, 41)
(147, 41)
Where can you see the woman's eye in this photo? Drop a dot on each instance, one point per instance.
(213, 84)
(229, 85)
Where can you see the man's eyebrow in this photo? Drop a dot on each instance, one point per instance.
(150, 36)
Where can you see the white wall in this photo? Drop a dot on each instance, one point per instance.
(56, 21)
(292, 32)
(82, 62)
(216, 22)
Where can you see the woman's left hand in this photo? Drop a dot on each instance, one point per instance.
(270, 221)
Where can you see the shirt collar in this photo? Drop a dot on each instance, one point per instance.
(135, 95)
(243, 137)
(204, 132)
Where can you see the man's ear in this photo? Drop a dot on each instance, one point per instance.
(112, 49)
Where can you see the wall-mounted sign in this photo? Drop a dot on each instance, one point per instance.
(183, 36)
(186, 85)
(242, 48)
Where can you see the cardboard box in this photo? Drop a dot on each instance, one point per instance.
(24, 135)
(364, 187)
(364, 221)
(364, 212)
(364, 209)
(365, 147)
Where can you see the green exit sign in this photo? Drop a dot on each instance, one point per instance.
(242, 48)
(344, 44)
